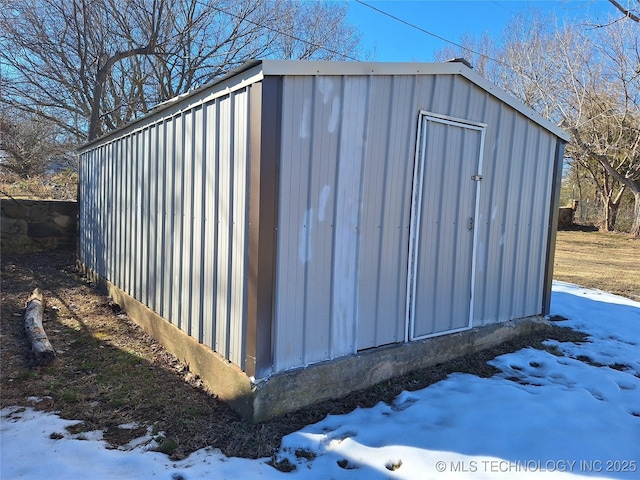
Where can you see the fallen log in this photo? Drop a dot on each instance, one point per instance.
(40, 346)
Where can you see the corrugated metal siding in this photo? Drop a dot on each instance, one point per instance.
(164, 217)
(514, 226)
(347, 158)
(345, 189)
(386, 201)
(310, 139)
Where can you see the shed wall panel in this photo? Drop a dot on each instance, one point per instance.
(223, 248)
(163, 217)
(127, 240)
(374, 193)
(175, 256)
(319, 216)
(169, 224)
(186, 250)
(343, 216)
(239, 234)
(151, 202)
(513, 224)
(349, 184)
(144, 186)
(361, 132)
(197, 271)
(211, 187)
(386, 195)
(306, 220)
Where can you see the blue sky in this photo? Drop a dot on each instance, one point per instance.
(391, 40)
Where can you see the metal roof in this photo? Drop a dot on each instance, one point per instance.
(254, 70)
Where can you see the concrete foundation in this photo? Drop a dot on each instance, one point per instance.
(298, 388)
(294, 389)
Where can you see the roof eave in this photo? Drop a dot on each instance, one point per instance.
(303, 67)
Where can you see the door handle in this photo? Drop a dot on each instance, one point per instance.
(470, 224)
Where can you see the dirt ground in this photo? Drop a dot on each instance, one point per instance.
(108, 373)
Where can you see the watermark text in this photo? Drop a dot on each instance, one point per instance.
(505, 466)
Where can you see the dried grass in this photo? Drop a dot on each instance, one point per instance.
(59, 186)
(606, 261)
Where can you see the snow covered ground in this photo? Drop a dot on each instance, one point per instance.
(543, 416)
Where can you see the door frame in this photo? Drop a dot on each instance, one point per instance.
(416, 212)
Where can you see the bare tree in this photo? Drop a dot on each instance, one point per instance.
(213, 38)
(60, 54)
(586, 80)
(210, 39)
(604, 116)
(523, 61)
(607, 146)
(30, 144)
(92, 65)
(315, 31)
(480, 53)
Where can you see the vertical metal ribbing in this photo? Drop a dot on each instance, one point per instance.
(197, 270)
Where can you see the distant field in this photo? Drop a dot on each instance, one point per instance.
(606, 261)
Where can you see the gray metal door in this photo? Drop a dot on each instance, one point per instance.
(446, 186)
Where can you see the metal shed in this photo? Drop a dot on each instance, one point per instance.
(296, 230)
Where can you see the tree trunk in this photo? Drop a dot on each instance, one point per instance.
(613, 216)
(610, 207)
(635, 227)
(609, 214)
(40, 345)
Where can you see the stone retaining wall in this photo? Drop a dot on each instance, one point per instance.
(38, 225)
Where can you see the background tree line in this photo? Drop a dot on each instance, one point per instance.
(73, 70)
(585, 78)
(76, 69)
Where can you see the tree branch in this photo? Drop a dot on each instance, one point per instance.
(604, 161)
(627, 12)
